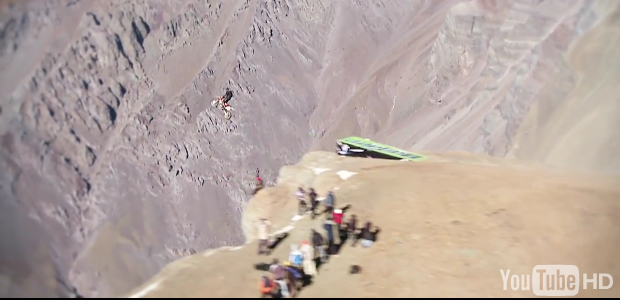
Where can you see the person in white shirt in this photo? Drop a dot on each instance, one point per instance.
(309, 259)
(264, 228)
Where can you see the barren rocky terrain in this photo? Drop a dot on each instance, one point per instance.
(448, 226)
(114, 164)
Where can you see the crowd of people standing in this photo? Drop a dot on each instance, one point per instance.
(289, 276)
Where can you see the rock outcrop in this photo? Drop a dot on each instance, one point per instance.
(114, 164)
(448, 226)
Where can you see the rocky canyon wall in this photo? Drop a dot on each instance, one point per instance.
(114, 163)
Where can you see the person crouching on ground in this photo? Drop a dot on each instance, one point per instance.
(267, 287)
(367, 235)
(264, 229)
(279, 274)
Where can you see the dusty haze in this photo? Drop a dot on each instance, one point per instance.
(115, 165)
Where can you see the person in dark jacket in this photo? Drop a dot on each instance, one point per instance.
(350, 227)
(318, 243)
(228, 95)
(329, 226)
(368, 235)
(329, 202)
(312, 195)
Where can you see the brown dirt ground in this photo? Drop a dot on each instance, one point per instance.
(448, 226)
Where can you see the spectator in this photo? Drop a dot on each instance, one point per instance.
(279, 274)
(309, 256)
(330, 202)
(296, 257)
(367, 235)
(258, 184)
(264, 229)
(329, 225)
(319, 244)
(350, 228)
(312, 195)
(300, 194)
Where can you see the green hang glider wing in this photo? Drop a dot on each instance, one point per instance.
(381, 148)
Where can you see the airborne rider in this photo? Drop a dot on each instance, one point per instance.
(228, 95)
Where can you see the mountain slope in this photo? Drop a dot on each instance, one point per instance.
(581, 132)
(114, 164)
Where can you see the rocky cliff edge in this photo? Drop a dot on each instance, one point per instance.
(449, 225)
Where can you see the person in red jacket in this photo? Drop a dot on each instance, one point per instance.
(337, 216)
(259, 184)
